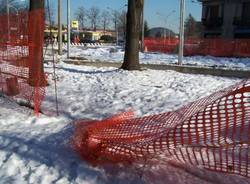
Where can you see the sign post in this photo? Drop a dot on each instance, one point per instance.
(75, 24)
(69, 28)
(59, 27)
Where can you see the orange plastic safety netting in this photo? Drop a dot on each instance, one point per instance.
(21, 55)
(212, 47)
(218, 47)
(213, 133)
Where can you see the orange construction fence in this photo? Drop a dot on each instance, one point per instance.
(212, 47)
(161, 45)
(21, 56)
(212, 133)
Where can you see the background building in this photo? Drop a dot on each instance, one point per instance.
(160, 32)
(226, 18)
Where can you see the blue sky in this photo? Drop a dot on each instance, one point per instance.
(152, 8)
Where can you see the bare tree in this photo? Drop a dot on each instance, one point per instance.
(81, 16)
(3, 5)
(50, 11)
(115, 18)
(105, 19)
(122, 22)
(94, 15)
(134, 26)
(193, 29)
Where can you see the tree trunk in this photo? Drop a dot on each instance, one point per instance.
(36, 38)
(36, 4)
(131, 58)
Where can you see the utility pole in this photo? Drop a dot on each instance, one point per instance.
(69, 28)
(117, 33)
(60, 27)
(115, 14)
(143, 33)
(181, 35)
(8, 19)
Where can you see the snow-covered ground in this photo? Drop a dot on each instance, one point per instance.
(115, 54)
(37, 150)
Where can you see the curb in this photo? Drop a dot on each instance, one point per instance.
(214, 71)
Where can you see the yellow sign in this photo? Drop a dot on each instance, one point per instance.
(75, 24)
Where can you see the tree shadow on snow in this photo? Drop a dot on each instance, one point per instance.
(54, 151)
(72, 70)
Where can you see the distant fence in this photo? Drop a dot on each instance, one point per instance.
(213, 47)
(84, 44)
(21, 65)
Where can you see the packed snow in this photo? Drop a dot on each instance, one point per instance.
(116, 54)
(37, 149)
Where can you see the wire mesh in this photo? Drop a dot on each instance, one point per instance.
(213, 47)
(21, 65)
(212, 133)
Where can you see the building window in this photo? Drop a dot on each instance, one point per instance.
(212, 15)
(246, 12)
(212, 12)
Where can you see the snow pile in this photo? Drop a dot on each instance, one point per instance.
(116, 54)
(36, 150)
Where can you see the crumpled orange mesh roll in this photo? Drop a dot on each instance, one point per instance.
(212, 133)
(21, 56)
